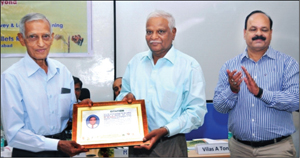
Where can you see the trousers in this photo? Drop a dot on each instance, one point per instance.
(174, 146)
(284, 148)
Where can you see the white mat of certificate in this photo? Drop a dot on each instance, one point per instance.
(111, 124)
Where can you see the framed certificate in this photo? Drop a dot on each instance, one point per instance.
(109, 124)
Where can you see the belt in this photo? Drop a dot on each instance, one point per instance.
(61, 136)
(167, 138)
(261, 143)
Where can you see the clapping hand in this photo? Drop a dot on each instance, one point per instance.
(251, 84)
(234, 79)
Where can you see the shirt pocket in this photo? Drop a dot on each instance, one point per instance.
(168, 101)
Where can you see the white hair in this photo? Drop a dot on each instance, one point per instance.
(32, 17)
(163, 14)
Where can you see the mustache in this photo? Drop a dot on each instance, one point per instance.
(155, 41)
(259, 37)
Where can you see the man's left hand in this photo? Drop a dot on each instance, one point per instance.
(251, 85)
(87, 101)
(153, 136)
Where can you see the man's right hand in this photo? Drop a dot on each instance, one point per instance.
(234, 79)
(129, 98)
(70, 147)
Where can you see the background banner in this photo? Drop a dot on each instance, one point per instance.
(70, 22)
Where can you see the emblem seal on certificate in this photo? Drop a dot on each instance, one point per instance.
(109, 124)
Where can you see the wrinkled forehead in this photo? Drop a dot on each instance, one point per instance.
(37, 26)
(38, 20)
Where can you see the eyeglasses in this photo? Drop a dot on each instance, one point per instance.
(117, 88)
(33, 38)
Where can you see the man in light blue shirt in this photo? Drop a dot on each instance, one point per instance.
(259, 89)
(172, 85)
(37, 96)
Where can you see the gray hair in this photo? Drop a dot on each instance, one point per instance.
(163, 14)
(32, 17)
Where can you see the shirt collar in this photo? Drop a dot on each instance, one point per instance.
(53, 68)
(170, 56)
(31, 66)
(269, 53)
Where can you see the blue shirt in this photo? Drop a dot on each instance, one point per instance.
(173, 90)
(32, 104)
(268, 117)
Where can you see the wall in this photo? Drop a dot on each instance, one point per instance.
(209, 31)
(214, 126)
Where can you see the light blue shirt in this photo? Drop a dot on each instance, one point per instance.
(173, 90)
(268, 117)
(32, 104)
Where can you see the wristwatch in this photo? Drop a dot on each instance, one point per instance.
(260, 92)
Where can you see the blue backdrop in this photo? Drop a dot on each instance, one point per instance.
(214, 127)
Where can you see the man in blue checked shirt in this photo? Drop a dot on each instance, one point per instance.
(172, 85)
(259, 89)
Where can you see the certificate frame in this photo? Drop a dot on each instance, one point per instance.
(111, 115)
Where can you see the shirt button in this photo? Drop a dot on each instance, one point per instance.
(252, 105)
(253, 134)
(252, 120)
(52, 112)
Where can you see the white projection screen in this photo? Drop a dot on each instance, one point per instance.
(209, 31)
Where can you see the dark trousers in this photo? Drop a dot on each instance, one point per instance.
(25, 153)
(174, 146)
